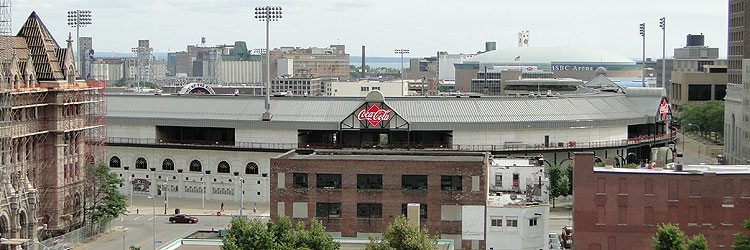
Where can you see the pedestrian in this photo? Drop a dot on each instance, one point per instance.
(254, 208)
(222, 206)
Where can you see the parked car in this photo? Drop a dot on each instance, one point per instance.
(183, 218)
(554, 242)
(567, 237)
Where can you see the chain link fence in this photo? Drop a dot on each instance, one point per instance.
(72, 238)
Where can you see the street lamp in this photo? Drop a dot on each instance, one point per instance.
(203, 191)
(131, 184)
(268, 14)
(402, 52)
(153, 201)
(78, 19)
(242, 192)
(642, 29)
(663, 25)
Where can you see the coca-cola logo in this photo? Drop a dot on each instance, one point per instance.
(374, 115)
(664, 109)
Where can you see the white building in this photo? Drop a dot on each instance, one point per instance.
(361, 88)
(241, 71)
(446, 70)
(517, 211)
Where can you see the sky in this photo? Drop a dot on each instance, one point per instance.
(422, 26)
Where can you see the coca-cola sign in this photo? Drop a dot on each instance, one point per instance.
(374, 115)
(664, 108)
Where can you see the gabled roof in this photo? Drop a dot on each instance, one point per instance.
(602, 82)
(42, 49)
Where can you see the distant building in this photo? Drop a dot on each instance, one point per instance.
(330, 62)
(426, 68)
(523, 80)
(85, 54)
(736, 110)
(362, 88)
(446, 69)
(706, 85)
(621, 208)
(298, 86)
(689, 59)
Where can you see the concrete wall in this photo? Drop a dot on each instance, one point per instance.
(536, 136)
(522, 237)
(256, 186)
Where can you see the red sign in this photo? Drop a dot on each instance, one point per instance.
(142, 181)
(664, 109)
(374, 115)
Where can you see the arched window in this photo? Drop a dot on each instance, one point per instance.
(195, 166)
(251, 168)
(223, 167)
(141, 163)
(167, 164)
(114, 162)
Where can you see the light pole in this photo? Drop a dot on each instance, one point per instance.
(203, 193)
(268, 14)
(78, 19)
(153, 201)
(242, 192)
(402, 52)
(663, 25)
(130, 181)
(166, 197)
(642, 29)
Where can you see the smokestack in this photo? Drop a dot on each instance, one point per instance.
(364, 73)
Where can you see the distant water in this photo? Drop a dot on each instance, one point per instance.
(377, 62)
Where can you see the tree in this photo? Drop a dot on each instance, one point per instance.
(102, 202)
(135, 248)
(708, 116)
(742, 240)
(698, 242)
(254, 234)
(569, 174)
(558, 182)
(401, 235)
(669, 237)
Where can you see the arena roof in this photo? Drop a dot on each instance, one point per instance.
(554, 55)
(435, 113)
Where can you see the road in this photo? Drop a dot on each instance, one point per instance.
(139, 231)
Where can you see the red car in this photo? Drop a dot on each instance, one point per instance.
(567, 237)
(183, 218)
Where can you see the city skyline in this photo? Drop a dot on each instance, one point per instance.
(457, 27)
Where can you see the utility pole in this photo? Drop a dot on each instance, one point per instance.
(402, 52)
(642, 28)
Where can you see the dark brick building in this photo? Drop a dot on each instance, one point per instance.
(356, 193)
(617, 208)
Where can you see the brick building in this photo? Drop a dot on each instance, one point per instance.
(617, 208)
(356, 193)
(51, 125)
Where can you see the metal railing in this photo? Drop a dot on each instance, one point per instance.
(418, 146)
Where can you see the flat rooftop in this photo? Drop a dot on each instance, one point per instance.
(687, 169)
(381, 155)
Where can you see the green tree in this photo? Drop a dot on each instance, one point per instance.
(558, 182)
(135, 248)
(401, 235)
(254, 234)
(102, 202)
(742, 240)
(569, 174)
(708, 116)
(669, 237)
(698, 242)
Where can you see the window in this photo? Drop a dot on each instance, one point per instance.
(693, 215)
(726, 216)
(511, 222)
(328, 210)
(369, 210)
(532, 222)
(728, 188)
(114, 162)
(622, 215)
(699, 92)
(600, 186)
(498, 180)
(600, 215)
(497, 222)
(141, 163)
(695, 190)
(299, 180)
(414, 182)
(745, 188)
(707, 215)
(649, 186)
(672, 190)
(674, 214)
(516, 180)
(167, 164)
(364, 88)
(195, 166)
(223, 167)
(422, 210)
(648, 216)
(623, 186)
(450, 182)
(369, 181)
(251, 168)
(329, 181)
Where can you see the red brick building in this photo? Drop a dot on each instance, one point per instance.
(616, 208)
(355, 193)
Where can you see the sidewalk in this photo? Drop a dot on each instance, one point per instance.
(145, 206)
(695, 152)
(99, 239)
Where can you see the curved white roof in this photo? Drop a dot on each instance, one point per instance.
(560, 55)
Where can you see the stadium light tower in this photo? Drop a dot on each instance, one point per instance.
(642, 29)
(78, 19)
(663, 25)
(268, 14)
(402, 52)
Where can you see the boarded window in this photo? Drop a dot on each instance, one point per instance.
(695, 188)
(674, 214)
(693, 215)
(727, 215)
(622, 215)
(600, 185)
(745, 188)
(623, 186)
(369, 210)
(600, 215)
(649, 186)
(673, 190)
(422, 210)
(707, 219)
(648, 215)
(728, 188)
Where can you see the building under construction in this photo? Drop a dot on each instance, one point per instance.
(51, 126)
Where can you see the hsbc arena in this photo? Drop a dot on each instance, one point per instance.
(218, 144)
